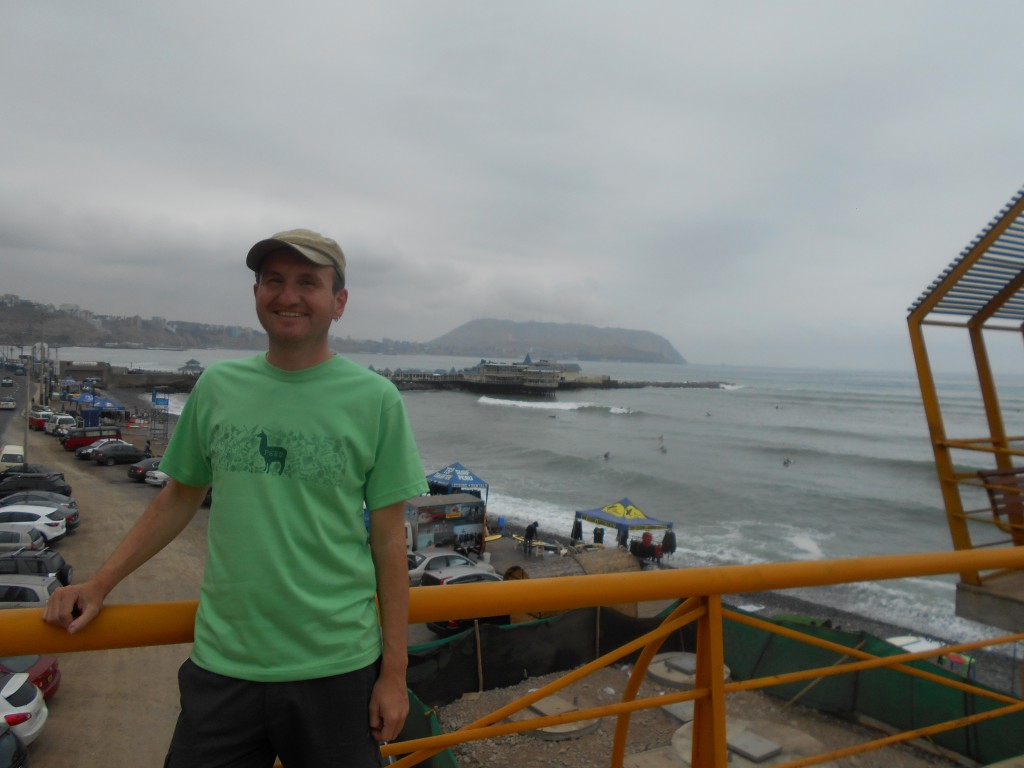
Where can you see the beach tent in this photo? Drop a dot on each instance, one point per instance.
(622, 515)
(104, 404)
(455, 478)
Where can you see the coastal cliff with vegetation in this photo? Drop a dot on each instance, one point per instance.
(24, 322)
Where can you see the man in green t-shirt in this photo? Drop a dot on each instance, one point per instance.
(300, 636)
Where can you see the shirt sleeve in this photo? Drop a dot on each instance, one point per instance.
(398, 471)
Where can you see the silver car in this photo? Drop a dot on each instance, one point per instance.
(440, 559)
(15, 537)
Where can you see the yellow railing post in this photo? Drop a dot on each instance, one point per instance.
(709, 745)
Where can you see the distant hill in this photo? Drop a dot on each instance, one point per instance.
(23, 323)
(565, 341)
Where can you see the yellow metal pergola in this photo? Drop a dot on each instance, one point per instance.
(982, 291)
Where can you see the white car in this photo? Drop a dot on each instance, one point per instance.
(22, 706)
(8, 404)
(157, 478)
(437, 560)
(26, 590)
(48, 521)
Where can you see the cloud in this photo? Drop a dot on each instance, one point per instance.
(760, 184)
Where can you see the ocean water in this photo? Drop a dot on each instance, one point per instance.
(779, 465)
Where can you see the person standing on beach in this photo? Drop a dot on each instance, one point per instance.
(529, 536)
(300, 636)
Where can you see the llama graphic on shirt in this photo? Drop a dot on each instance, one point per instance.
(272, 454)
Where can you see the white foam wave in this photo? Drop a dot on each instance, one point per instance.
(552, 405)
(809, 548)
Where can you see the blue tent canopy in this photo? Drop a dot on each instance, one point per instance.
(622, 515)
(455, 478)
(104, 404)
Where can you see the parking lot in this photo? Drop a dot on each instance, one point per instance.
(117, 708)
(114, 708)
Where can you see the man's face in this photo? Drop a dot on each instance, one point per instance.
(295, 302)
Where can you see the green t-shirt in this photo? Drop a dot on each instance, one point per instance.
(288, 589)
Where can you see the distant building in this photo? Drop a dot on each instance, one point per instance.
(191, 368)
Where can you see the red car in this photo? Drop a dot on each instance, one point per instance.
(43, 671)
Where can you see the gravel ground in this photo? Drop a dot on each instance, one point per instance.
(654, 728)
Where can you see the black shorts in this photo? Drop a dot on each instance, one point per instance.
(230, 723)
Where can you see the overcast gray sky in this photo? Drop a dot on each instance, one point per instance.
(763, 183)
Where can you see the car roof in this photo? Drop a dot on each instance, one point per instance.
(42, 495)
(430, 551)
(462, 570)
(30, 553)
(25, 579)
(35, 508)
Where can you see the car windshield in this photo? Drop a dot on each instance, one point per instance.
(19, 663)
(55, 516)
(415, 559)
(21, 696)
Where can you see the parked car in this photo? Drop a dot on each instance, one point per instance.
(13, 753)
(31, 562)
(13, 538)
(20, 591)
(17, 483)
(88, 450)
(31, 469)
(440, 559)
(118, 453)
(65, 504)
(11, 455)
(8, 403)
(22, 706)
(47, 521)
(459, 575)
(59, 421)
(138, 470)
(42, 671)
(157, 478)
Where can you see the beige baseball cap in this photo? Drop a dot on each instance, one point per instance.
(308, 244)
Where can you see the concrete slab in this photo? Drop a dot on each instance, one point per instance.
(750, 745)
(553, 705)
(681, 711)
(684, 662)
(669, 669)
(662, 757)
(794, 745)
(556, 705)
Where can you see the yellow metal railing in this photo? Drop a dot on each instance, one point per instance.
(122, 626)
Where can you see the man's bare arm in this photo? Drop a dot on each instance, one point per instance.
(389, 704)
(167, 515)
